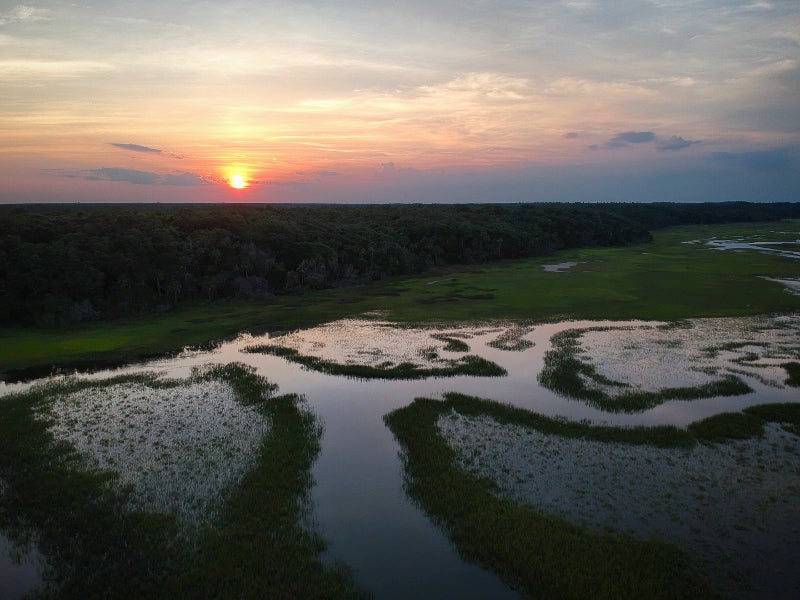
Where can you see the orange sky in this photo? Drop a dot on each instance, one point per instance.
(142, 101)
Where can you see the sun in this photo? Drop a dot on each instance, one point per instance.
(238, 182)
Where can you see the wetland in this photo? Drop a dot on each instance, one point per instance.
(528, 448)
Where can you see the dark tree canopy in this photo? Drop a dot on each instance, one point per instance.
(61, 264)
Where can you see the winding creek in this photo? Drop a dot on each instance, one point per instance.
(359, 505)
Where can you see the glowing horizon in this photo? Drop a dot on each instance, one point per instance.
(425, 102)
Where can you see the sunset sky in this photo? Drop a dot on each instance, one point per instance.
(421, 101)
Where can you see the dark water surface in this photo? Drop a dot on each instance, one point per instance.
(20, 572)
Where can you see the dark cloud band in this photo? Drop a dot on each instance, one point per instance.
(144, 177)
(136, 148)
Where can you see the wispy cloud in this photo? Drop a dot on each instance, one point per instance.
(136, 148)
(138, 177)
(23, 13)
(630, 137)
(674, 143)
(146, 150)
(183, 179)
(120, 174)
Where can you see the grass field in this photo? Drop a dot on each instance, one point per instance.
(666, 279)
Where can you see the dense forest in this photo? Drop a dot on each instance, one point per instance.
(69, 263)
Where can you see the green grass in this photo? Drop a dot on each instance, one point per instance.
(94, 547)
(566, 374)
(541, 555)
(466, 365)
(665, 280)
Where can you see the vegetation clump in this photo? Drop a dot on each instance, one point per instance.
(473, 365)
(96, 546)
(452, 344)
(512, 339)
(541, 555)
(665, 436)
(538, 553)
(624, 483)
(565, 373)
(793, 370)
(178, 446)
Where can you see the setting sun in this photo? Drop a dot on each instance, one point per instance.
(238, 182)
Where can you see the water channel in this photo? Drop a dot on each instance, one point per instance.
(359, 505)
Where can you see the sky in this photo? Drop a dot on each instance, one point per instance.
(412, 101)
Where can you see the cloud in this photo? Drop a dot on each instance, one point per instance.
(146, 149)
(774, 159)
(129, 175)
(631, 137)
(136, 148)
(318, 173)
(24, 14)
(183, 179)
(627, 138)
(392, 171)
(570, 136)
(142, 177)
(674, 143)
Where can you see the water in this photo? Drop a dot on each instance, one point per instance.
(759, 246)
(559, 267)
(20, 572)
(358, 501)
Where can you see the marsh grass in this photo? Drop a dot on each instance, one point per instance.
(665, 436)
(748, 423)
(475, 366)
(91, 544)
(512, 339)
(541, 555)
(452, 344)
(94, 547)
(793, 371)
(257, 547)
(727, 426)
(566, 374)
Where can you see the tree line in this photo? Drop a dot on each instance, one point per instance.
(62, 264)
